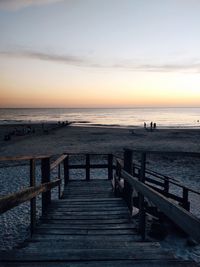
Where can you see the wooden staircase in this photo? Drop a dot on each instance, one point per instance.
(90, 227)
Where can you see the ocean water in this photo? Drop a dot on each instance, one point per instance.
(164, 117)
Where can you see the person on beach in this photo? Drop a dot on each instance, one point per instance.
(145, 125)
(151, 126)
(154, 126)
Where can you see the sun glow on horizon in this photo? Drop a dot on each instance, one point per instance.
(50, 56)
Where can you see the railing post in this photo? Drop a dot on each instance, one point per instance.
(166, 187)
(142, 219)
(186, 203)
(33, 200)
(110, 166)
(87, 167)
(66, 170)
(128, 167)
(59, 187)
(46, 196)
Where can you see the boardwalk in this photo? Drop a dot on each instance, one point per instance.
(90, 227)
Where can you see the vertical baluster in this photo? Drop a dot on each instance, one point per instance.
(66, 170)
(46, 196)
(87, 167)
(33, 200)
(110, 166)
(128, 167)
(186, 203)
(166, 187)
(59, 176)
(142, 219)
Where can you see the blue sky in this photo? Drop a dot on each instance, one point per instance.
(143, 51)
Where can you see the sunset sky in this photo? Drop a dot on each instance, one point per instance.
(99, 53)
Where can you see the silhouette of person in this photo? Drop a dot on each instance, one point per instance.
(151, 125)
(145, 125)
(154, 125)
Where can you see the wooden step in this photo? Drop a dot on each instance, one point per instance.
(119, 263)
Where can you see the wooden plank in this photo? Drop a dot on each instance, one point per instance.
(110, 263)
(167, 153)
(10, 201)
(18, 158)
(33, 200)
(88, 212)
(185, 220)
(90, 217)
(85, 221)
(45, 173)
(88, 244)
(85, 209)
(57, 231)
(87, 254)
(57, 162)
(80, 238)
(86, 226)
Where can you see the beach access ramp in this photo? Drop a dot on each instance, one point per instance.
(91, 223)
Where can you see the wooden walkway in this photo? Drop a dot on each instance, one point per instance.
(90, 227)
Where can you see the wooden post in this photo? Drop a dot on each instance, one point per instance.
(33, 200)
(59, 187)
(110, 166)
(186, 203)
(142, 219)
(87, 168)
(128, 167)
(66, 170)
(46, 197)
(166, 187)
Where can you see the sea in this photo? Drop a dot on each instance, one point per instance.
(111, 117)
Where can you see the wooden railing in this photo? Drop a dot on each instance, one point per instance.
(135, 179)
(88, 165)
(30, 193)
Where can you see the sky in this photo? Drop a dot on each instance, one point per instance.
(99, 53)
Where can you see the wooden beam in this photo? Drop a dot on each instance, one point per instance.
(23, 158)
(184, 219)
(167, 153)
(12, 200)
(33, 200)
(57, 162)
(45, 171)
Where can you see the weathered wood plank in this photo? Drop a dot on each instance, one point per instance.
(57, 231)
(87, 254)
(86, 226)
(86, 221)
(185, 220)
(10, 201)
(124, 263)
(79, 238)
(88, 244)
(57, 162)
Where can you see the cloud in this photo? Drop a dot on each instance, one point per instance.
(192, 66)
(19, 4)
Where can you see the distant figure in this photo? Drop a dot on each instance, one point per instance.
(154, 125)
(145, 125)
(151, 126)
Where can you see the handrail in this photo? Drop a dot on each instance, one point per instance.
(184, 219)
(159, 175)
(12, 200)
(23, 158)
(57, 161)
(170, 153)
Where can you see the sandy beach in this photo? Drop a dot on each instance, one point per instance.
(97, 139)
(75, 139)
